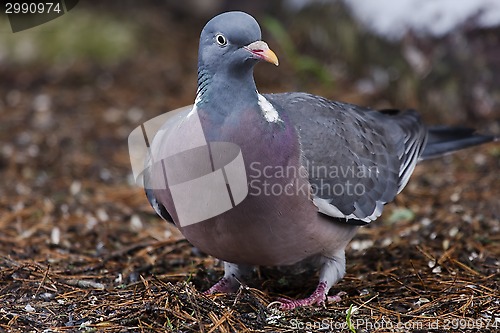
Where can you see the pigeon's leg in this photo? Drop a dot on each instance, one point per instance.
(233, 274)
(332, 271)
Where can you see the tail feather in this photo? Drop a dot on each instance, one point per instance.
(443, 140)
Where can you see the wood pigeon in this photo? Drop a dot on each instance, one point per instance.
(279, 179)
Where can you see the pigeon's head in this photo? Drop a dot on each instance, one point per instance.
(232, 41)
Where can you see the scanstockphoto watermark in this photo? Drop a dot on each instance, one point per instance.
(259, 187)
(311, 170)
(269, 180)
(388, 325)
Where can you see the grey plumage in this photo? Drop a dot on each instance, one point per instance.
(332, 146)
(444, 140)
(375, 151)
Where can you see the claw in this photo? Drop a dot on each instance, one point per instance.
(224, 286)
(336, 298)
(318, 297)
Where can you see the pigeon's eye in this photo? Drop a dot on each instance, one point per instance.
(221, 40)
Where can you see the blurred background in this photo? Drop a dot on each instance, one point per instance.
(72, 90)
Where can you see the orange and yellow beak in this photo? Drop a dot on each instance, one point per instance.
(261, 51)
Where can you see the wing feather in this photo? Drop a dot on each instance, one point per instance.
(373, 153)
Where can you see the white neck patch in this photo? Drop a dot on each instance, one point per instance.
(268, 110)
(195, 106)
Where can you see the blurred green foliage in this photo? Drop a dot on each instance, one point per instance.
(301, 63)
(400, 214)
(79, 34)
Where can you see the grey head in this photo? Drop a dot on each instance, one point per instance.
(230, 46)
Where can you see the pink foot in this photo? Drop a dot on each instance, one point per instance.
(225, 285)
(336, 298)
(318, 297)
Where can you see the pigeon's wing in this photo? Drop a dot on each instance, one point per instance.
(150, 195)
(358, 159)
(157, 132)
(157, 206)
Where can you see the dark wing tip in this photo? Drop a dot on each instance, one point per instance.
(157, 206)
